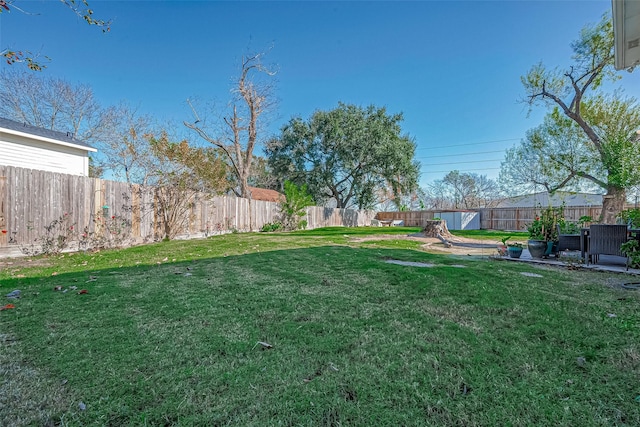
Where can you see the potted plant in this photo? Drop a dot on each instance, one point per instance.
(502, 249)
(515, 249)
(543, 232)
(632, 250)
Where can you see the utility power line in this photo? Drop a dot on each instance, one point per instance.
(470, 143)
(460, 163)
(461, 154)
(466, 170)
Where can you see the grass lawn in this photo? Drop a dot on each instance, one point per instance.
(309, 329)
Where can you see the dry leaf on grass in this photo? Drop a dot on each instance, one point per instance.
(264, 345)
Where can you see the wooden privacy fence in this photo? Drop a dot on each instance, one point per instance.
(512, 219)
(517, 219)
(30, 200)
(410, 218)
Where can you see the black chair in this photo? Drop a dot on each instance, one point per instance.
(606, 240)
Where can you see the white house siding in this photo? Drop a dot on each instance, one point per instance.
(24, 152)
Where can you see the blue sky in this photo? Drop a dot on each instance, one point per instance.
(451, 67)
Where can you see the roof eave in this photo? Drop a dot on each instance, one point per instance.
(49, 140)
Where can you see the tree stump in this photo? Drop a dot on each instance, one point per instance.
(438, 229)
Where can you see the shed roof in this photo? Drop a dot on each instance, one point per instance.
(64, 138)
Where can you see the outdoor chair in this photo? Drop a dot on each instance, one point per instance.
(606, 240)
(568, 242)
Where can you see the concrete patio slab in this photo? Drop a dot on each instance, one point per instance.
(607, 263)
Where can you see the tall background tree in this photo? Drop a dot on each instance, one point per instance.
(462, 190)
(124, 148)
(596, 142)
(346, 155)
(558, 155)
(53, 103)
(252, 99)
(117, 132)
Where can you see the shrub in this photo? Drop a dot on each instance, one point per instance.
(630, 217)
(271, 226)
(55, 239)
(630, 249)
(573, 227)
(294, 207)
(108, 232)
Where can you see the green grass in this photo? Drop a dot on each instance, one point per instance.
(168, 335)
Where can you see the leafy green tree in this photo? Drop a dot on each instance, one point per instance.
(293, 208)
(595, 142)
(346, 155)
(558, 154)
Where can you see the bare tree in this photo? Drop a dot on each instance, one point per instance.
(252, 97)
(51, 103)
(124, 148)
(463, 191)
(435, 196)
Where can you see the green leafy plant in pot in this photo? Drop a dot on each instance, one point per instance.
(502, 248)
(543, 231)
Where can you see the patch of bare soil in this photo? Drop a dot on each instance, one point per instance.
(11, 263)
(459, 245)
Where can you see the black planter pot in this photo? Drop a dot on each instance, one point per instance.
(537, 248)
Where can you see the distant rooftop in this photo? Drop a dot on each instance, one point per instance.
(557, 199)
(67, 137)
(266, 195)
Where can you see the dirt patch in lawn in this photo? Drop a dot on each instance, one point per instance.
(459, 245)
(18, 263)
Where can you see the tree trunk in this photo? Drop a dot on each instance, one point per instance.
(437, 228)
(612, 204)
(433, 228)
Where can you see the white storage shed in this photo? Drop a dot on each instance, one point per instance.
(460, 220)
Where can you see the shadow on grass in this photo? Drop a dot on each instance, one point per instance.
(151, 329)
(354, 340)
